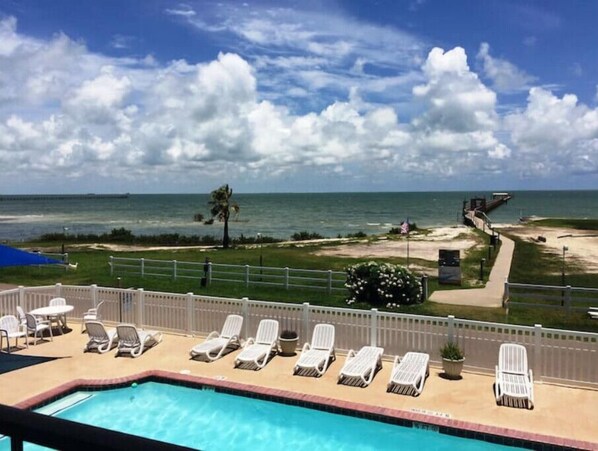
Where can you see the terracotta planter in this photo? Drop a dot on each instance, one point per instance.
(452, 368)
(288, 345)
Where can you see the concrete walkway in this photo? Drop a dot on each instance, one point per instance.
(491, 295)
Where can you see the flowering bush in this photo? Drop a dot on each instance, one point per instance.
(382, 285)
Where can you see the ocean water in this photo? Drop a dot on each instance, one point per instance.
(276, 215)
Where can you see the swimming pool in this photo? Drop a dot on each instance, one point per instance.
(211, 420)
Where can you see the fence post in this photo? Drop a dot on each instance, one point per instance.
(174, 269)
(111, 266)
(506, 294)
(58, 290)
(374, 327)
(245, 313)
(22, 300)
(329, 281)
(247, 276)
(209, 278)
(140, 307)
(424, 282)
(451, 329)
(537, 352)
(568, 298)
(142, 267)
(190, 315)
(286, 278)
(305, 321)
(94, 295)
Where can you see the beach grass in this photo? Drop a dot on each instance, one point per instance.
(577, 224)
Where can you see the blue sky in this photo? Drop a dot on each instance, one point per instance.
(165, 96)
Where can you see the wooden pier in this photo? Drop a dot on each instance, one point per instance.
(479, 206)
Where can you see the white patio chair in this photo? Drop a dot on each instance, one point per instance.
(593, 312)
(218, 342)
(409, 373)
(258, 349)
(513, 378)
(318, 354)
(361, 366)
(93, 314)
(134, 341)
(36, 327)
(60, 320)
(11, 328)
(100, 339)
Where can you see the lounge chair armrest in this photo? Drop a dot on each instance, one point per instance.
(213, 334)
(306, 347)
(350, 355)
(531, 377)
(249, 342)
(396, 360)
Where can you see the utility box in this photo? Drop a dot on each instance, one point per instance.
(449, 267)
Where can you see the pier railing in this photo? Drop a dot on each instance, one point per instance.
(288, 278)
(566, 298)
(555, 355)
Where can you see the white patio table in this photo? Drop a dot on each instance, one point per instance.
(54, 310)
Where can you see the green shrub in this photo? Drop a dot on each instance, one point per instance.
(382, 284)
(303, 236)
(359, 234)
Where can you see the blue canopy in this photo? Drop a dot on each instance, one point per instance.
(9, 256)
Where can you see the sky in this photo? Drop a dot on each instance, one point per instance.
(156, 96)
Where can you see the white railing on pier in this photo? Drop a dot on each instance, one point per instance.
(329, 281)
(554, 355)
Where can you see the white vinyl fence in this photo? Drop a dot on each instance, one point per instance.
(565, 298)
(555, 355)
(247, 275)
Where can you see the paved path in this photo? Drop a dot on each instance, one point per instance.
(491, 295)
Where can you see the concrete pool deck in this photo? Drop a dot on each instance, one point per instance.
(564, 412)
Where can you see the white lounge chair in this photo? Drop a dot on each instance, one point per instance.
(99, 338)
(593, 312)
(513, 378)
(409, 373)
(216, 343)
(36, 327)
(11, 328)
(361, 366)
(93, 314)
(258, 349)
(318, 354)
(135, 341)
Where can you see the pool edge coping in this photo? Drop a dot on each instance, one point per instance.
(330, 403)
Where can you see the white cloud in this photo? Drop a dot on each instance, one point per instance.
(505, 76)
(69, 113)
(455, 98)
(559, 132)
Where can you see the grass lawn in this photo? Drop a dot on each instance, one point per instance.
(529, 266)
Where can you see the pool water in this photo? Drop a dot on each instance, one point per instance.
(209, 420)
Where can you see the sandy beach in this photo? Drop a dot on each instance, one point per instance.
(582, 245)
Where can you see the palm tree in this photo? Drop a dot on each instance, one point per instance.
(221, 207)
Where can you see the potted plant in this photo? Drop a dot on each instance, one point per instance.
(288, 342)
(452, 360)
